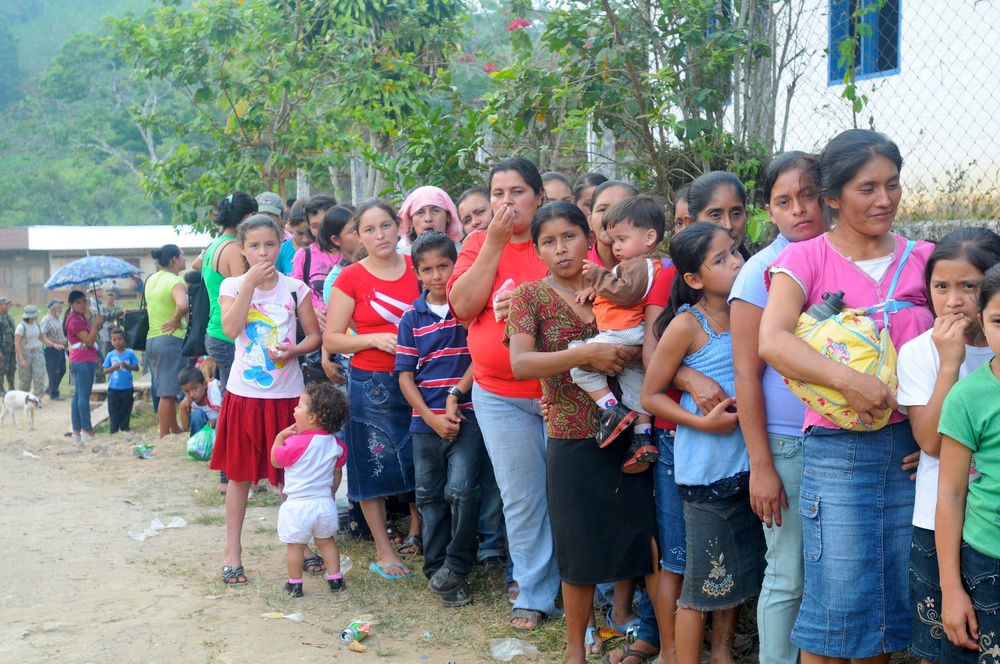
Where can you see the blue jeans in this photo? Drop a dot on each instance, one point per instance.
(198, 421)
(669, 510)
(491, 526)
(981, 580)
(515, 439)
(83, 382)
(447, 478)
(781, 593)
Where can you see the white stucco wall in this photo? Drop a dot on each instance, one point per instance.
(942, 108)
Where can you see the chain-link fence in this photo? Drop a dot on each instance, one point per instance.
(927, 75)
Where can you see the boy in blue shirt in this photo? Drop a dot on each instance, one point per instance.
(435, 376)
(118, 366)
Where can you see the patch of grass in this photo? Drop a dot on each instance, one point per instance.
(385, 650)
(209, 497)
(260, 548)
(269, 498)
(261, 529)
(179, 570)
(275, 598)
(209, 519)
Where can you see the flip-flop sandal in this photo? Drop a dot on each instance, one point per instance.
(535, 617)
(230, 573)
(381, 571)
(628, 651)
(314, 565)
(590, 640)
(413, 542)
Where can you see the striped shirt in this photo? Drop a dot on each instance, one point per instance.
(436, 351)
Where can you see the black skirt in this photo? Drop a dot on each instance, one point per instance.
(603, 520)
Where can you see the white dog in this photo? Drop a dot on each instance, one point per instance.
(16, 399)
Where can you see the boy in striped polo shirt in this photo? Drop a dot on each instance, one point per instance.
(435, 375)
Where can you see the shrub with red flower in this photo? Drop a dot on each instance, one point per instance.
(518, 24)
(489, 68)
(467, 57)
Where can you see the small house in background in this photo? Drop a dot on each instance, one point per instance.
(30, 255)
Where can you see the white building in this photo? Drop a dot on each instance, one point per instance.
(30, 255)
(931, 72)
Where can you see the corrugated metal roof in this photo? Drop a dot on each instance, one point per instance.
(77, 238)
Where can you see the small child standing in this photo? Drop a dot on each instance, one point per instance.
(202, 400)
(118, 366)
(635, 227)
(313, 459)
(435, 376)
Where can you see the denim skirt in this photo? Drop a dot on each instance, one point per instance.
(379, 443)
(856, 505)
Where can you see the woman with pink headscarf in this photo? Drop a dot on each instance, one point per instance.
(428, 209)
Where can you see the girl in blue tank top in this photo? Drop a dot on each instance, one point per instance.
(724, 542)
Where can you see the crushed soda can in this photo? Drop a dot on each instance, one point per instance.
(356, 631)
(142, 451)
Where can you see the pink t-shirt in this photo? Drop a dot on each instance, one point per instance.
(309, 459)
(77, 353)
(820, 268)
(270, 321)
(320, 264)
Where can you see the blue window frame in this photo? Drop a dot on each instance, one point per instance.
(876, 52)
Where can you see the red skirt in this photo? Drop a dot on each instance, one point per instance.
(245, 433)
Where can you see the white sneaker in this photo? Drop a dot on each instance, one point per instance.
(86, 437)
(77, 439)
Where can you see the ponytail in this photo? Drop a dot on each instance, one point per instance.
(688, 249)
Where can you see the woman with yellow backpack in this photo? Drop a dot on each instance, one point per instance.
(855, 501)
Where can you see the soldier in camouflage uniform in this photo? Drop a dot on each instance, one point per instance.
(29, 342)
(113, 318)
(8, 359)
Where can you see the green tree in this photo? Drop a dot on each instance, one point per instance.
(658, 74)
(273, 87)
(10, 71)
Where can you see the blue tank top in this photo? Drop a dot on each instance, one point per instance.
(703, 458)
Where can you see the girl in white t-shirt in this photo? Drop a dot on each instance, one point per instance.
(929, 366)
(259, 311)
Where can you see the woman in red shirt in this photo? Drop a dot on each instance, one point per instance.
(373, 294)
(491, 264)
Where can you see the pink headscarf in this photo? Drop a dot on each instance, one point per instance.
(430, 196)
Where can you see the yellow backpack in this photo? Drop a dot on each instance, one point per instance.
(851, 337)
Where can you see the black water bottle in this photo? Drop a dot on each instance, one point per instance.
(832, 304)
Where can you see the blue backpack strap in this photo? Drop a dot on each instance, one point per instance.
(891, 306)
(910, 244)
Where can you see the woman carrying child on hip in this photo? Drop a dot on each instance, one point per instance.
(724, 542)
(259, 311)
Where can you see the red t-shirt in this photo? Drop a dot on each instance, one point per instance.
(490, 358)
(659, 295)
(77, 353)
(378, 306)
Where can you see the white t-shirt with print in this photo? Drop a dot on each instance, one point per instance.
(270, 321)
(917, 368)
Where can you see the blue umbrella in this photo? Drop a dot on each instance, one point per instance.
(90, 269)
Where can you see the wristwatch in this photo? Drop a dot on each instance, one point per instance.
(457, 393)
